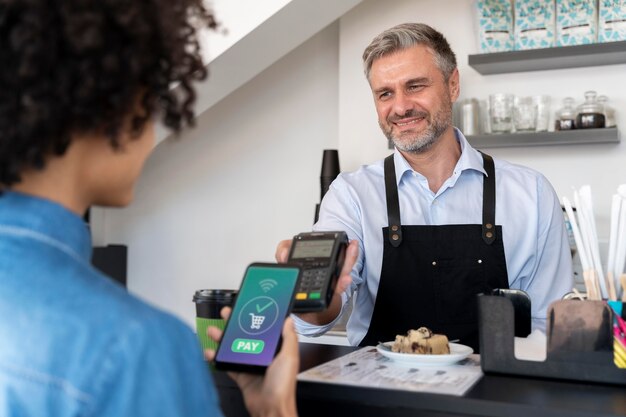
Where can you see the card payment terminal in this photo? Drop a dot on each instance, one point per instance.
(320, 256)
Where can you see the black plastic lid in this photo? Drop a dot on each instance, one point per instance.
(203, 296)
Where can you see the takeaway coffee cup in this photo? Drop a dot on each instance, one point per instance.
(209, 303)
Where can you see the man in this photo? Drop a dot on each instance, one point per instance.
(79, 85)
(435, 222)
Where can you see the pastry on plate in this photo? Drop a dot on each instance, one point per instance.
(422, 341)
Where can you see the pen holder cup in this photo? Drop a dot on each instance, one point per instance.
(579, 342)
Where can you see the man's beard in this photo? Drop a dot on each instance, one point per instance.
(418, 142)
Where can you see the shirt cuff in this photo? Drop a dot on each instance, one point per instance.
(305, 328)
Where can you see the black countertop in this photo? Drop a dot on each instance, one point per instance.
(493, 395)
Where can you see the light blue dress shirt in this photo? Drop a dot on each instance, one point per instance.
(75, 343)
(536, 246)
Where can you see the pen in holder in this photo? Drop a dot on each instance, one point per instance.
(619, 333)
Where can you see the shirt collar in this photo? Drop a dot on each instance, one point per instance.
(50, 221)
(470, 159)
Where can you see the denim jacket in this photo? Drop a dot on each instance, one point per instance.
(75, 343)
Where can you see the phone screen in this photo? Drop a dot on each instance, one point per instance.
(252, 334)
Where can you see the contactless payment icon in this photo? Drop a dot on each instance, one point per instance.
(258, 315)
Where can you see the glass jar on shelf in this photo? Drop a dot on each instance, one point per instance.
(501, 112)
(566, 116)
(524, 114)
(542, 103)
(609, 112)
(590, 114)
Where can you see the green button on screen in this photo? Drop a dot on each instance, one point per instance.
(247, 346)
(315, 295)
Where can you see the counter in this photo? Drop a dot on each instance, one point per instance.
(493, 395)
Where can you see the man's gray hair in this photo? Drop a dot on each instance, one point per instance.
(406, 36)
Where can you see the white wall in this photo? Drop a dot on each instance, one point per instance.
(225, 193)
(601, 166)
(263, 36)
(233, 24)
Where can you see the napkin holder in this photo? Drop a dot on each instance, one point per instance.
(579, 342)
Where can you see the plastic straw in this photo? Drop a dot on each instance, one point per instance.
(620, 251)
(587, 225)
(616, 203)
(584, 260)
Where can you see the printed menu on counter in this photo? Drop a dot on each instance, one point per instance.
(368, 368)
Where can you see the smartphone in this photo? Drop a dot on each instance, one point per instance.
(252, 334)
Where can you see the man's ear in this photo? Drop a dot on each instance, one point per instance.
(454, 87)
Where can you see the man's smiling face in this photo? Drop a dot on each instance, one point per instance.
(413, 99)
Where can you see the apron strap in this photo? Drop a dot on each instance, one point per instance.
(393, 203)
(489, 200)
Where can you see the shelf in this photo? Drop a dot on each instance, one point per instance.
(563, 137)
(609, 53)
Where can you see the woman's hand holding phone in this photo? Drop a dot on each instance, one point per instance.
(272, 394)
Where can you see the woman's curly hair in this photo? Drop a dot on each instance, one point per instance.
(80, 66)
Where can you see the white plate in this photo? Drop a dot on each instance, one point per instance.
(457, 353)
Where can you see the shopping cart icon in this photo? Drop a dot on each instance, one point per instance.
(257, 321)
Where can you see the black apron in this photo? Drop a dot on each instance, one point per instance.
(431, 274)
